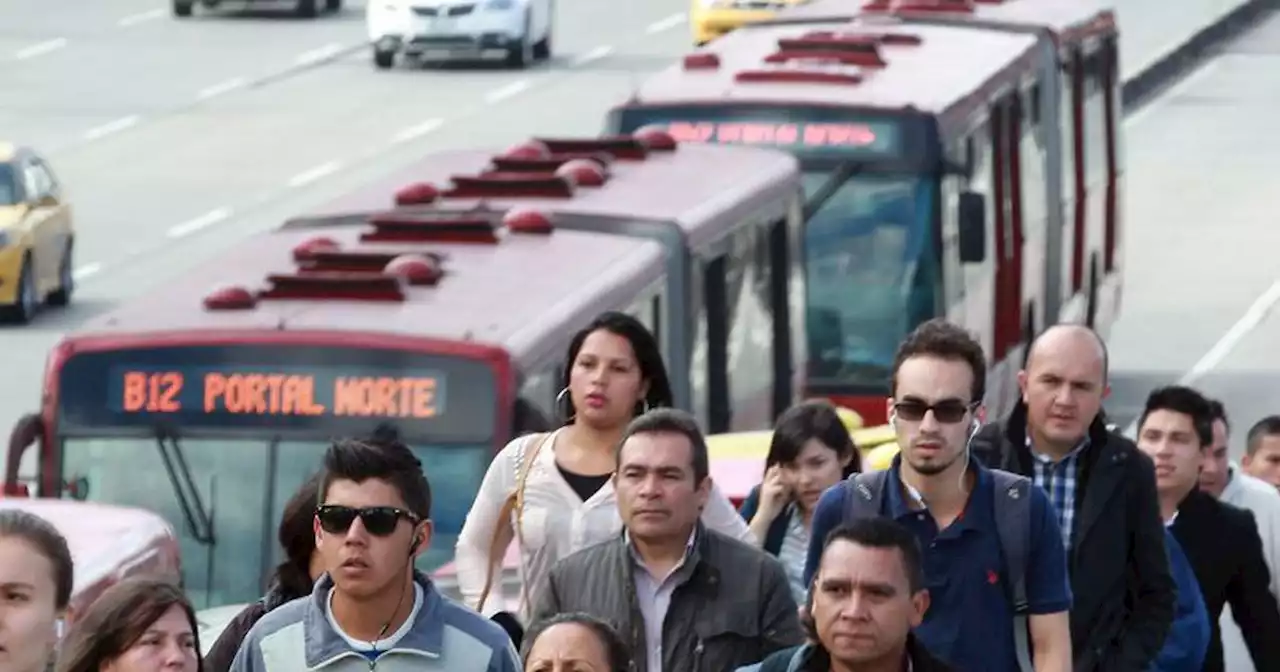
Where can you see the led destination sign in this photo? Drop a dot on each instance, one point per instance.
(327, 390)
(790, 135)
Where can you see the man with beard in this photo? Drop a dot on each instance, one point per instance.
(954, 505)
(1103, 491)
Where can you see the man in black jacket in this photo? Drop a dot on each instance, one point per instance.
(1104, 491)
(1220, 540)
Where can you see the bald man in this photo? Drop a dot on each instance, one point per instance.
(1104, 491)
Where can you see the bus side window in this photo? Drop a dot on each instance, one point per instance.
(536, 409)
(750, 330)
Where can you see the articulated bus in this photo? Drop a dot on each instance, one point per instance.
(210, 400)
(929, 193)
(730, 221)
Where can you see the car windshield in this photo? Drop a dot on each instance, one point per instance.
(870, 276)
(243, 486)
(8, 188)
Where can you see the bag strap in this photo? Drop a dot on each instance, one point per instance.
(865, 494)
(513, 504)
(1013, 528)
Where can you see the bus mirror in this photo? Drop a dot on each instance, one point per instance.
(28, 431)
(973, 226)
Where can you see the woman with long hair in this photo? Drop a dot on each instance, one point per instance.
(137, 625)
(294, 577)
(811, 451)
(36, 575)
(552, 492)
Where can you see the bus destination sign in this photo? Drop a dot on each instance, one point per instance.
(791, 135)
(323, 390)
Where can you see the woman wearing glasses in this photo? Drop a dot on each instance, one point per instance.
(552, 492)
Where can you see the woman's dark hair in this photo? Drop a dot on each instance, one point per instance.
(298, 539)
(117, 619)
(47, 541)
(812, 419)
(615, 648)
(648, 356)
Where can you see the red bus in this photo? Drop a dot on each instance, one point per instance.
(730, 220)
(446, 322)
(930, 191)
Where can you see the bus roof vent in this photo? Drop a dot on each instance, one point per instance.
(231, 297)
(860, 43)
(523, 220)
(312, 246)
(584, 172)
(793, 76)
(920, 6)
(633, 147)
(866, 59)
(429, 228)
(365, 261)
(335, 286)
(510, 185)
(703, 60)
(418, 193)
(415, 269)
(549, 163)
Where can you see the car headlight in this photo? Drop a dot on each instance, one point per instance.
(499, 5)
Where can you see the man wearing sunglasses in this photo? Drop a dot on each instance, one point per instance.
(371, 610)
(1104, 493)
(979, 529)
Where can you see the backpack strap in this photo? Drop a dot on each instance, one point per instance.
(1013, 528)
(865, 494)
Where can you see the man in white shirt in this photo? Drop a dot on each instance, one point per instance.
(1224, 479)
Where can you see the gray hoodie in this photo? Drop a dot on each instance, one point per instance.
(445, 635)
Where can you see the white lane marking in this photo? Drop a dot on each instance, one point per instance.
(221, 88)
(40, 48)
(416, 131)
(202, 222)
(665, 24)
(505, 92)
(98, 132)
(85, 271)
(1252, 318)
(594, 55)
(1171, 94)
(318, 54)
(312, 174)
(140, 17)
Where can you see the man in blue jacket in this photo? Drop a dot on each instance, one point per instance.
(1189, 634)
(371, 611)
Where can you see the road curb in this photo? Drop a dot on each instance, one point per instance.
(1148, 83)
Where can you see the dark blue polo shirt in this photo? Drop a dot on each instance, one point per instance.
(970, 621)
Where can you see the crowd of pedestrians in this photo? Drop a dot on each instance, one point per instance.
(1043, 540)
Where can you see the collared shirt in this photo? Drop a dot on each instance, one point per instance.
(1059, 480)
(654, 597)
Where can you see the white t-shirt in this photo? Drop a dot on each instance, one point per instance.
(386, 643)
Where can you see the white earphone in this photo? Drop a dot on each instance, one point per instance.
(59, 628)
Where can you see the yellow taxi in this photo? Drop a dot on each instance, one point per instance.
(710, 19)
(36, 236)
(737, 458)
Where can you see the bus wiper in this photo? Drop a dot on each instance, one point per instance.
(199, 522)
(844, 172)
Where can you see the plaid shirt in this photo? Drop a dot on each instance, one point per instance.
(1059, 479)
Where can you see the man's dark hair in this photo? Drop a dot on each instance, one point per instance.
(1186, 401)
(1219, 412)
(1268, 426)
(616, 649)
(390, 461)
(42, 536)
(671, 421)
(944, 340)
(884, 533)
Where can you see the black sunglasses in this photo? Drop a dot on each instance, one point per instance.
(380, 521)
(947, 412)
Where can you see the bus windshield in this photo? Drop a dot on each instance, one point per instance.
(869, 274)
(243, 485)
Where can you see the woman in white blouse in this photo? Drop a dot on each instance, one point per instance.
(614, 373)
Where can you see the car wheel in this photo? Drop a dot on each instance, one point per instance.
(520, 55)
(66, 279)
(25, 304)
(384, 60)
(306, 8)
(183, 8)
(542, 48)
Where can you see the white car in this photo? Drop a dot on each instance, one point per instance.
(518, 31)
